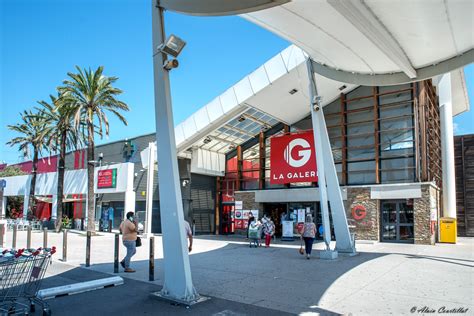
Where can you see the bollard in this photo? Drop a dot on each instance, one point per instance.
(88, 249)
(151, 276)
(2, 234)
(45, 237)
(82, 224)
(15, 229)
(110, 226)
(65, 245)
(116, 253)
(28, 237)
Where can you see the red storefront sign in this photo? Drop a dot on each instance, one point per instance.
(107, 178)
(359, 212)
(293, 158)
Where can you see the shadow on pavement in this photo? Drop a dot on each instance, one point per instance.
(274, 278)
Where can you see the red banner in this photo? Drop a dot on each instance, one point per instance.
(293, 158)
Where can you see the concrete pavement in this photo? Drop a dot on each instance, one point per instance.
(383, 279)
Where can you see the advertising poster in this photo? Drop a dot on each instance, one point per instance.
(238, 205)
(287, 229)
(239, 219)
(245, 217)
(301, 215)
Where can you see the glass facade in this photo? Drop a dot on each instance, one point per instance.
(372, 135)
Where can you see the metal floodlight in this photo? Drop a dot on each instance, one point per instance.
(173, 46)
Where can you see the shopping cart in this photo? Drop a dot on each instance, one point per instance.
(255, 233)
(21, 273)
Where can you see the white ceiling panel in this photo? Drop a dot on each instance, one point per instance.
(201, 118)
(259, 79)
(214, 109)
(275, 68)
(228, 100)
(243, 90)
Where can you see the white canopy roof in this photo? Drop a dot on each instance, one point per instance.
(354, 41)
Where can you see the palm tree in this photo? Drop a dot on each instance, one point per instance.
(90, 94)
(60, 134)
(30, 129)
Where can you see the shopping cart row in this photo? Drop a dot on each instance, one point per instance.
(21, 274)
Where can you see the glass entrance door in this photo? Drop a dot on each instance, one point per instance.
(397, 221)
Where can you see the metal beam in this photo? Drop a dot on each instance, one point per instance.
(360, 16)
(327, 174)
(395, 78)
(218, 7)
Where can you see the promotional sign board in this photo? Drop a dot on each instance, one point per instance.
(293, 158)
(287, 229)
(301, 215)
(238, 205)
(241, 219)
(107, 178)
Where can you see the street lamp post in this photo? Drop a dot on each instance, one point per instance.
(178, 285)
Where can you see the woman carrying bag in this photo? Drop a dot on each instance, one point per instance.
(129, 229)
(309, 232)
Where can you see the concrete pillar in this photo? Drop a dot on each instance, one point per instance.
(54, 208)
(447, 146)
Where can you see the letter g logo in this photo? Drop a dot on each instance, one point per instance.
(303, 154)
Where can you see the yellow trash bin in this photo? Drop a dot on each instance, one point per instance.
(447, 230)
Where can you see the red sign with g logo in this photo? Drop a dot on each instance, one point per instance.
(293, 158)
(359, 212)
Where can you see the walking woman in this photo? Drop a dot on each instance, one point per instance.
(309, 232)
(268, 230)
(129, 229)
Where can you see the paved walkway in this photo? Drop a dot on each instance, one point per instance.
(383, 279)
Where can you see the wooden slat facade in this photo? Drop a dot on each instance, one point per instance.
(464, 165)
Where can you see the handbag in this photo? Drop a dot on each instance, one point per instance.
(138, 242)
(301, 248)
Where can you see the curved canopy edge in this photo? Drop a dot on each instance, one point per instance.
(218, 7)
(395, 78)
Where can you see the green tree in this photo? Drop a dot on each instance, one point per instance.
(91, 94)
(11, 171)
(61, 134)
(30, 129)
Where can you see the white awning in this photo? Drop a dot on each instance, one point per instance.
(371, 42)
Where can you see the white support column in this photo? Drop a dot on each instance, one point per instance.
(178, 284)
(327, 171)
(130, 196)
(149, 186)
(447, 146)
(320, 160)
(26, 204)
(54, 208)
(129, 204)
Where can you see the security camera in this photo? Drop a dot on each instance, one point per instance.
(316, 102)
(170, 64)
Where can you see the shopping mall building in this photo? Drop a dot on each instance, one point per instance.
(386, 143)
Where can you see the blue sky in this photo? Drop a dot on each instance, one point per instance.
(43, 40)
